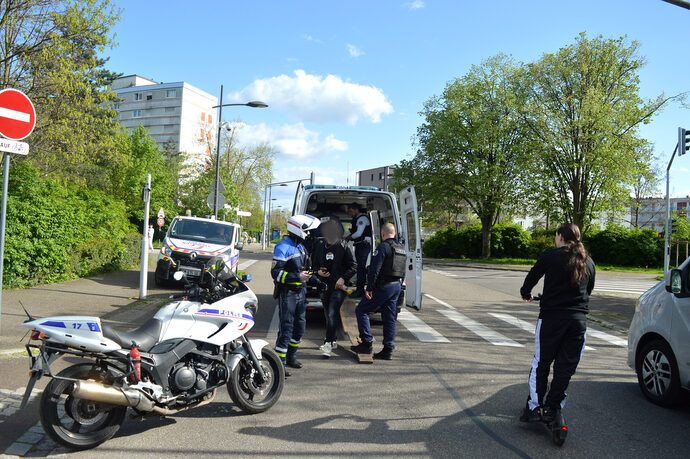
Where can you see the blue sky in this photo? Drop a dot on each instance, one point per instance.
(345, 80)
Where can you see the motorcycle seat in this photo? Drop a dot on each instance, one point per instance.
(144, 337)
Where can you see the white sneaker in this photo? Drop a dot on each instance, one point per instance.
(334, 345)
(326, 349)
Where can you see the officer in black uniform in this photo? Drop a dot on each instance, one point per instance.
(360, 234)
(386, 273)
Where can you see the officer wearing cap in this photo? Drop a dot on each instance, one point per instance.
(384, 281)
(290, 276)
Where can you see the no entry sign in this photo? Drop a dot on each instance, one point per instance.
(17, 114)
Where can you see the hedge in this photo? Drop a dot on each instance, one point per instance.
(56, 232)
(616, 245)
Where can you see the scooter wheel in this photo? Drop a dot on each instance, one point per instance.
(558, 434)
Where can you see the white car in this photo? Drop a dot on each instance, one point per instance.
(659, 338)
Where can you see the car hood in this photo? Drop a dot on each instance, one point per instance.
(202, 248)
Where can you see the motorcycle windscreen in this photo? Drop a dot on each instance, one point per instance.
(413, 245)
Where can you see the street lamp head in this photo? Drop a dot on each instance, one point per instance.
(257, 104)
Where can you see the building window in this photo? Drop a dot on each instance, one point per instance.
(137, 96)
(203, 133)
(116, 105)
(380, 175)
(203, 116)
(149, 96)
(210, 118)
(171, 93)
(372, 178)
(169, 109)
(136, 114)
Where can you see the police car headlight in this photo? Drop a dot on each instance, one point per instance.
(251, 307)
(166, 250)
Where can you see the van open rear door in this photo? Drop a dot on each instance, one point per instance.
(413, 245)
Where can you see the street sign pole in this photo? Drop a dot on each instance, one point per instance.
(5, 180)
(143, 274)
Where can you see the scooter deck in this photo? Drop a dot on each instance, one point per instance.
(349, 321)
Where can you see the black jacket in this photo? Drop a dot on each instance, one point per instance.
(559, 300)
(375, 277)
(338, 259)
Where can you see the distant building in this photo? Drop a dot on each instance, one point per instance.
(652, 212)
(379, 177)
(176, 112)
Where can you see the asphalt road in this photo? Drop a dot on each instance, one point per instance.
(454, 389)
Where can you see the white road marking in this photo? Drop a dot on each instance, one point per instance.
(244, 265)
(442, 303)
(14, 115)
(524, 325)
(607, 337)
(420, 329)
(480, 330)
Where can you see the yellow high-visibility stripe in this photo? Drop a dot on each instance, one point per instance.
(280, 354)
(294, 344)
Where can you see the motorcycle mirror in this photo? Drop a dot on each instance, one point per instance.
(178, 275)
(246, 277)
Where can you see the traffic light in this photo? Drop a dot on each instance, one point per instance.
(683, 141)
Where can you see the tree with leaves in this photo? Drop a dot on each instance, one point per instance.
(585, 110)
(50, 49)
(473, 146)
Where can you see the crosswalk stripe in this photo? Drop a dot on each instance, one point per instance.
(275, 324)
(442, 303)
(475, 327)
(606, 337)
(244, 265)
(420, 329)
(519, 323)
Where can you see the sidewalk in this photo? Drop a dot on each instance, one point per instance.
(111, 296)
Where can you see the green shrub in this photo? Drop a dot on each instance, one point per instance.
(56, 232)
(509, 241)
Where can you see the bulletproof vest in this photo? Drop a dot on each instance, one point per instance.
(394, 266)
(367, 229)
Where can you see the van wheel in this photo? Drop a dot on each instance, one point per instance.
(657, 373)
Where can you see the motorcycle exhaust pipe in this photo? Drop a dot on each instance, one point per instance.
(97, 392)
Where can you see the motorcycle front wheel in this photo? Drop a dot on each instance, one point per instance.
(245, 390)
(74, 422)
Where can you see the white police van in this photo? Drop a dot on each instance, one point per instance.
(192, 243)
(330, 200)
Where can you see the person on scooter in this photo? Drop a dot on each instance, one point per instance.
(560, 335)
(336, 265)
(290, 275)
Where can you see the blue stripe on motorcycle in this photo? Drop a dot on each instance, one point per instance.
(53, 323)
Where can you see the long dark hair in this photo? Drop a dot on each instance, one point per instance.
(577, 254)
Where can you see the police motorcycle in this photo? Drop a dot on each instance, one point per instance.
(173, 362)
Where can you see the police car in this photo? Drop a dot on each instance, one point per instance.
(328, 201)
(192, 243)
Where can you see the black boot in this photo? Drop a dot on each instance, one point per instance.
(287, 373)
(293, 362)
(529, 415)
(384, 354)
(363, 348)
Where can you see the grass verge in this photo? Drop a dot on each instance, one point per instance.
(530, 262)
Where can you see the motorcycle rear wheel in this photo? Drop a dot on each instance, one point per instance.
(76, 423)
(244, 389)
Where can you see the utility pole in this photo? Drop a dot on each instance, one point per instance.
(143, 274)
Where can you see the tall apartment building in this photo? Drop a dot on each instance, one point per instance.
(177, 112)
(652, 212)
(380, 177)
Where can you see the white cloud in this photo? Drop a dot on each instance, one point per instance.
(317, 98)
(354, 51)
(310, 38)
(294, 141)
(415, 5)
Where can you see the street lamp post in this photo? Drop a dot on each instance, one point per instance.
(253, 104)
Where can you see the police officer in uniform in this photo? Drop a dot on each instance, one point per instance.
(386, 273)
(360, 234)
(290, 276)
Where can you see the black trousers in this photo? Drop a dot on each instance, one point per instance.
(332, 300)
(561, 342)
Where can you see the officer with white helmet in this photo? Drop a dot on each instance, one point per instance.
(290, 276)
